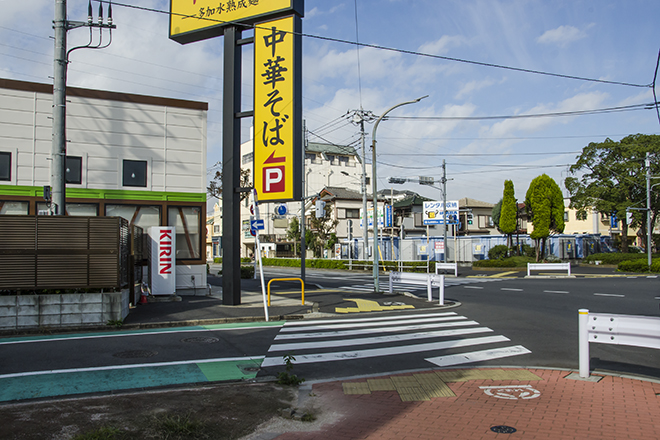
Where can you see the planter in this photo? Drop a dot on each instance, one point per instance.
(23, 312)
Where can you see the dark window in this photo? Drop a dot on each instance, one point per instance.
(5, 166)
(74, 169)
(135, 173)
(352, 213)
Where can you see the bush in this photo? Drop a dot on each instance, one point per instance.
(498, 252)
(614, 258)
(506, 262)
(247, 272)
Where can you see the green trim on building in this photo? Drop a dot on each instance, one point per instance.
(105, 194)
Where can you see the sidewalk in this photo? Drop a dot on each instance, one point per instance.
(476, 404)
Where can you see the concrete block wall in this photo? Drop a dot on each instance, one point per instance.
(62, 310)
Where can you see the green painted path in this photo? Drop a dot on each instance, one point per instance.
(40, 384)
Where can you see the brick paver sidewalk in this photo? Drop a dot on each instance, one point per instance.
(539, 404)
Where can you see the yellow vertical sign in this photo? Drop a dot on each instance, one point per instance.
(276, 110)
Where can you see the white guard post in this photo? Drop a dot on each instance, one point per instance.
(549, 266)
(449, 266)
(421, 279)
(163, 260)
(605, 328)
(257, 251)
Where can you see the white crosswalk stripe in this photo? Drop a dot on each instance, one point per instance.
(437, 336)
(405, 287)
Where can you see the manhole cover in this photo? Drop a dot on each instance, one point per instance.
(200, 340)
(134, 354)
(502, 429)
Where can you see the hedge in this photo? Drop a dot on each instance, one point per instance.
(615, 257)
(639, 265)
(506, 262)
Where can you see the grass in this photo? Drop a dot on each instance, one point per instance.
(105, 433)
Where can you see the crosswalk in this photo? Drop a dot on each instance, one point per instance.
(442, 338)
(411, 288)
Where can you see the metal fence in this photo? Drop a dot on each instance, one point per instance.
(44, 252)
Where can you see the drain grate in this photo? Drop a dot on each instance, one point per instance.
(201, 340)
(135, 354)
(502, 429)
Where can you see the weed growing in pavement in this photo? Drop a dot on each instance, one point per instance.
(285, 377)
(115, 322)
(180, 427)
(105, 433)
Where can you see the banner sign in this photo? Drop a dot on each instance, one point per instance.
(384, 217)
(434, 213)
(195, 20)
(278, 110)
(163, 260)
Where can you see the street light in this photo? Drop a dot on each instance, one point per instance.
(374, 184)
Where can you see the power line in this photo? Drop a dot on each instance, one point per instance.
(404, 51)
(554, 153)
(648, 106)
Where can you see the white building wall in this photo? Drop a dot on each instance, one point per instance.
(105, 132)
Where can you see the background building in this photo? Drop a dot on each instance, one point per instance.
(142, 158)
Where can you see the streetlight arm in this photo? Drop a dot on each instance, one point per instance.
(374, 183)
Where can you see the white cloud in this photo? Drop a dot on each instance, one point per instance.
(474, 86)
(562, 36)
(442, 46)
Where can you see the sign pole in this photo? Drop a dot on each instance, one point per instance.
(231, 169)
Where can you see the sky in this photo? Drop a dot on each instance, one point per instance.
(413, 48)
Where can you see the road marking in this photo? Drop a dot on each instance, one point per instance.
(473, 287)
(478, 356)
(128, 367)
(555, 291)
(291, 324)
(610, 294)
(502, 274)
(357, 324)
(367, 305)
(511, 290)
(367, 331)
(657, 297)
(197, 329)
(388, 351)
(377, 339)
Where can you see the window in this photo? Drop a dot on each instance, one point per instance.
(248, 158)
(367, 180)
(187, 221)
(13, 208)
(343, 159)
(142, 216)
(73, 209)
(352, 213)
(565, 216)
(216, 229)
(135, 173)
(331, 158)
(310, 156)
(74, 170)
(5, 166)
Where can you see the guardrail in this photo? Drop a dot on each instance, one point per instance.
(450, 266)
(421, 279)
(605, 328)
(302, 284)
(548, 266)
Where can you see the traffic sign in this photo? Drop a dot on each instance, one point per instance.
(257, 225)
(281, 209)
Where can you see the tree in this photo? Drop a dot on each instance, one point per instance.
(323, 230)
(509, 214)
(215, 185)
(545, 207)
(612, 178)
(496, 213)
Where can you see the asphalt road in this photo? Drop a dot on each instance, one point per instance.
(500, 319)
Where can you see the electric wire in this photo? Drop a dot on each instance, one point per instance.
(391, 49)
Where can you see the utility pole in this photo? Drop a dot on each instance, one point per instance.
(649, 228)
(61, 60)
(303, 244)
(359, 116)
(444, 204)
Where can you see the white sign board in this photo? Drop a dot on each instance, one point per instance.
(163, 260)
(434, 213)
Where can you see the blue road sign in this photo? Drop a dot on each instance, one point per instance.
(257, 225)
